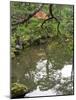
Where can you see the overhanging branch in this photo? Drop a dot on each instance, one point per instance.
(51, 17)
(22, 21)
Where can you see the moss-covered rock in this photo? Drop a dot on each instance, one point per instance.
(18, 90)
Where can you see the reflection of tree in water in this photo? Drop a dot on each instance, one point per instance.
(65, 88)
(23, 69)
(59, 55)
(50, 81)
(56, 57)
(53, 78)
(62, 86)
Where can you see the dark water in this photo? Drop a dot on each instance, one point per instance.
(46, 69)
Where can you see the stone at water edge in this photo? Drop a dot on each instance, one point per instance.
(18, 90)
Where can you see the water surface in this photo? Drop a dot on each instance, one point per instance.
(46, 69)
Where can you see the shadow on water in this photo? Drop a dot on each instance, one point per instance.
(47, 69)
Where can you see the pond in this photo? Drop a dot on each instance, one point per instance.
(47, 70)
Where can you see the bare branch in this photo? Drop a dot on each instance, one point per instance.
(21, 21)
(51, 17)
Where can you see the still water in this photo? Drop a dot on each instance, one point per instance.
(46, 69)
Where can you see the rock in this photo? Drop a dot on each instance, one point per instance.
(18, 90)
(18, 47)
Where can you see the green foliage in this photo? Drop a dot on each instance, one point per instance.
(32, 28)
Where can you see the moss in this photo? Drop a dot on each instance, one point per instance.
(18, 90)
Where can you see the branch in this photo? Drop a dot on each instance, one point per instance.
(58, 30)
(52, 17)
(22, 21)
(45, 21)
(50, 10)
